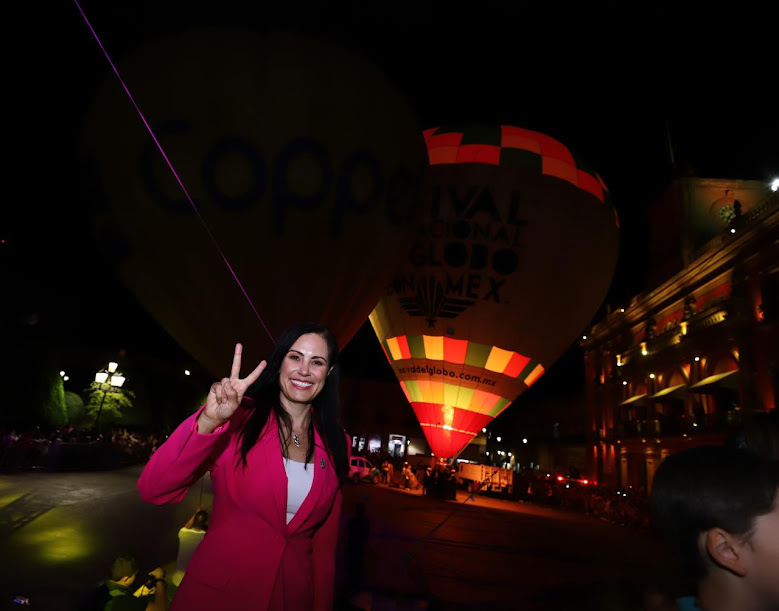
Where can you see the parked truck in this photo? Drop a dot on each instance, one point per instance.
(485, 478)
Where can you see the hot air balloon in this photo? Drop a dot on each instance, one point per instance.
(302, 159)
(513, 255)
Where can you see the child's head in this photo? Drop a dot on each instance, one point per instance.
(124, 568)
(719, 510)
(201, 520)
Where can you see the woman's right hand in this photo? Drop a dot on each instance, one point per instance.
(225, 396)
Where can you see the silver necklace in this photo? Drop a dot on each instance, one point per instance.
(296, 439)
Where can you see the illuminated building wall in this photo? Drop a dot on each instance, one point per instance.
(688, 361)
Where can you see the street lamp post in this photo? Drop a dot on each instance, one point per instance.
(107, 378)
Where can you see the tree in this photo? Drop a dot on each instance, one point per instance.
(38, 398)
(74, 407)
(53, 405)
(114, 402)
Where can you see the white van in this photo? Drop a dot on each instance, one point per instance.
(360, 468)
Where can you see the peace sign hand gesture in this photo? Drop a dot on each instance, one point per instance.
(225, 396)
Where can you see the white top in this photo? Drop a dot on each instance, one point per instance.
(299, 481)
(189, 539)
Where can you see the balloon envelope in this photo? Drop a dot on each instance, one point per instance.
(514, 254)
(301, 158)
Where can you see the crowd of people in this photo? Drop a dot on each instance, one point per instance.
(70, 447)
(435, 479)
(628, 507)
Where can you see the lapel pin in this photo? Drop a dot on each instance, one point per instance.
(322, 463)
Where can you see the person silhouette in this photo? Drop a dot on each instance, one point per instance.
(190, 535)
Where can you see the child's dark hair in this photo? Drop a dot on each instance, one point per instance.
(124, 565)
(707, 487)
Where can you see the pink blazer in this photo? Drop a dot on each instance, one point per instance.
(250, 558)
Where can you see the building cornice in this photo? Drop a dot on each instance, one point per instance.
(745, 243)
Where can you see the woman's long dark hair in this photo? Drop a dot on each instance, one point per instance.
(266, 390)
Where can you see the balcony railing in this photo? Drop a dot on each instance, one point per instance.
(713, 314)
(671, 426)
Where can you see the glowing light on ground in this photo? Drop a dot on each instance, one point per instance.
(8, 499)
(57, 544)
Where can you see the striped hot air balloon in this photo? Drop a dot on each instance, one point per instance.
(514, 253)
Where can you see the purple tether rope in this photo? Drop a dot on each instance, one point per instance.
(172, 169)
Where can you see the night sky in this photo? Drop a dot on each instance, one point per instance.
(598, 78)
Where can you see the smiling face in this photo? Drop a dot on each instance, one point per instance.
(304, 370)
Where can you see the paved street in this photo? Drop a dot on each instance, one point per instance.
(60, 532)
(493, 554)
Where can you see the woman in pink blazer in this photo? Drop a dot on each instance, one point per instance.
(277, 461)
